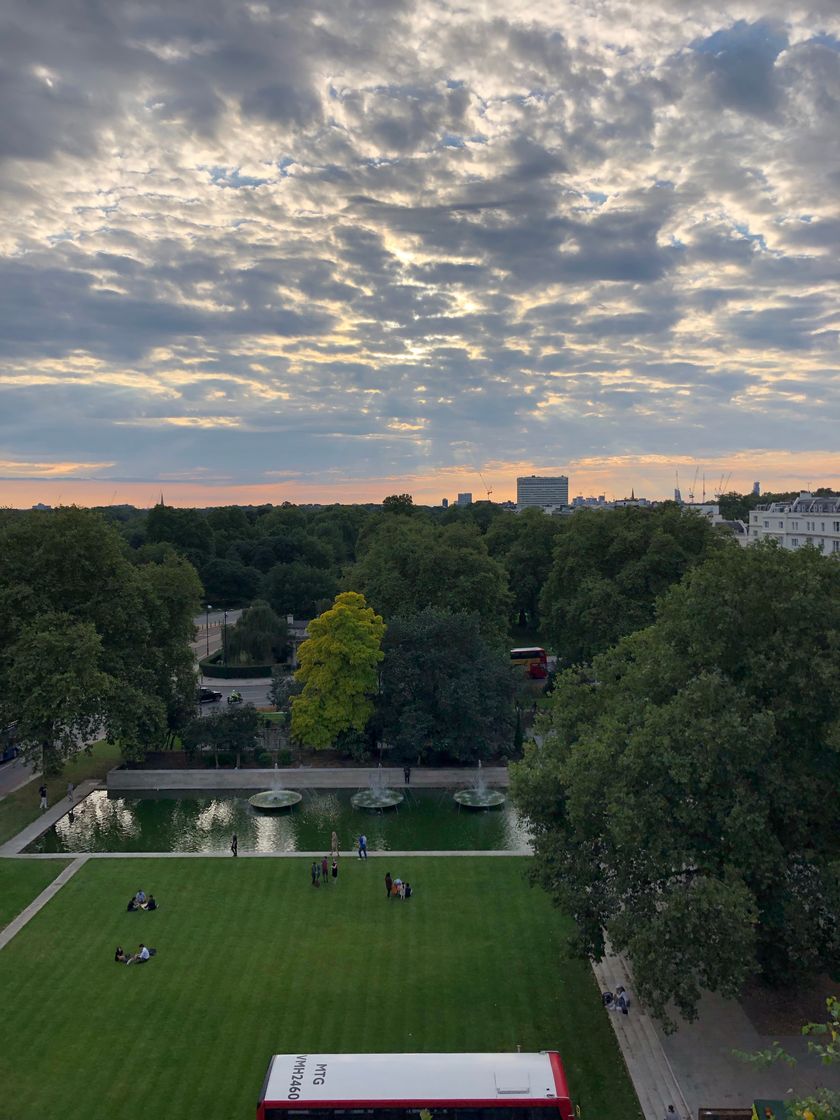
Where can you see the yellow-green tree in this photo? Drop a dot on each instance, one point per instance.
(338, 671)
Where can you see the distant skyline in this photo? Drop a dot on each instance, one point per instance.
(327, 252)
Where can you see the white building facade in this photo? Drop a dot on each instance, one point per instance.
(804, 521)
(542, 491)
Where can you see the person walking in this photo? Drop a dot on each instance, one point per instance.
(70, 791)
(334, 845)
(335, 870)
(42, 793)
(315, 872)
(407, 775)
(325, 870)
(389, 882)
(234, 845)
(363, 846)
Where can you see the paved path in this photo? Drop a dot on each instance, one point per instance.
(14, 775)
(16, 925)
(649, 1068)
(48, 817)
(303, 777)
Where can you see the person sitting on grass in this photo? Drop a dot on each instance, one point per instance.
(408, 891)
(133, 905)
(141, 956)
(140, 897)
(120, 955)
(151, 904)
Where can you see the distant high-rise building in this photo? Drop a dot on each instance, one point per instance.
(757, 489)
(677, 496)
(445, 503)
(542, 491)
(465, 499)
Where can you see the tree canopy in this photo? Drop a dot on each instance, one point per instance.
(338, 671)
(684, 795)
(259, 637)
(406, 564)
(88, 640)
(445, 692)
(608, 570)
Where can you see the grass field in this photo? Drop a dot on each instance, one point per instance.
(21, 880)
(252, 961)
(19, 809)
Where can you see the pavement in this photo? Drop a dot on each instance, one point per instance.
(15, 774)
(47, 818)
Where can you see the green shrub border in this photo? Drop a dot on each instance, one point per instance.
(211, 667)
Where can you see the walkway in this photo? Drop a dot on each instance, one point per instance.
(16, 925)
(304, 777)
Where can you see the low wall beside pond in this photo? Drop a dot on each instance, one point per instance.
(346, 777)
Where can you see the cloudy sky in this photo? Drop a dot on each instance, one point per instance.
(293, 250)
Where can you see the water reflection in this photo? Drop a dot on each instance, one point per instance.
(170, 820)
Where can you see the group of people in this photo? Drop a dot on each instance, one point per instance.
(396, 888)
(140, 957)
(619, 1001)
(139, 901)
(324, 871)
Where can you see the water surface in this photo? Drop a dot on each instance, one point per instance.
(181, 821)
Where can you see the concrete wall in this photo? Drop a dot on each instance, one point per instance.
(297, 778)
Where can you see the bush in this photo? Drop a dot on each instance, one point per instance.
(284, 757)
(227, 758)
(265, 759)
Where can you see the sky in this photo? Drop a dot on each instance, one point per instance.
(326, 252)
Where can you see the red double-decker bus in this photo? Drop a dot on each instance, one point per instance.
(415, 1087)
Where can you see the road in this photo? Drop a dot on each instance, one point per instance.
(208, 627)
(253, 692)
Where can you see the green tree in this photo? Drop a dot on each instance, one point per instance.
(229, 583)
(89, 642)
(407, 564)
(609, 568)
(296, 588)
(684, 795)
(338, 671)
(235, 730)
(259, 636)
(446, 693)
(398, 503)
(524, 543)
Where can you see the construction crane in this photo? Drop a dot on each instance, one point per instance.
(693, 486)
(487, 489)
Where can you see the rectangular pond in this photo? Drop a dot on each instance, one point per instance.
(182, 821)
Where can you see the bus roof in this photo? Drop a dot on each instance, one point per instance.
(298, 1080)
(527, 649)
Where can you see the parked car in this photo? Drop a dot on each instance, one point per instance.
(208, 696)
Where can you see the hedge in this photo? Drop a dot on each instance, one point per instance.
(211, 667)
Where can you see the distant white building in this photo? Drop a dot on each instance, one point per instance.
(542, 491)
(804, 521)
(465, 499)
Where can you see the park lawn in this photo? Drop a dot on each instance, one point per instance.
(21, 880)
(20, 808)
(253, 961)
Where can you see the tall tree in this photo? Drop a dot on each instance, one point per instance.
(684, 796)
(407, 564)
(297, 588)
(259, 636)
(446, 693)
(524, 543)
(609, 567)
(398, 503)
(89, 641)
(338, 671)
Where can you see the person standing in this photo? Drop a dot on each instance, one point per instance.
(325, 870)
(42, 793)
(407, 774)
(334, 844)
(314, 872)
(234, 845)
(389, 883)
(335, 870)
(363, 846)
(70, 791)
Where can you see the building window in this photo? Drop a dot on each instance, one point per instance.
(781, 524)
(835, 546)
(836, 526)
(766, 524)
(794, 524)
(794, 542)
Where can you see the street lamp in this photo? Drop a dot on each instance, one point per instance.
(207, 611)
(224, 640)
